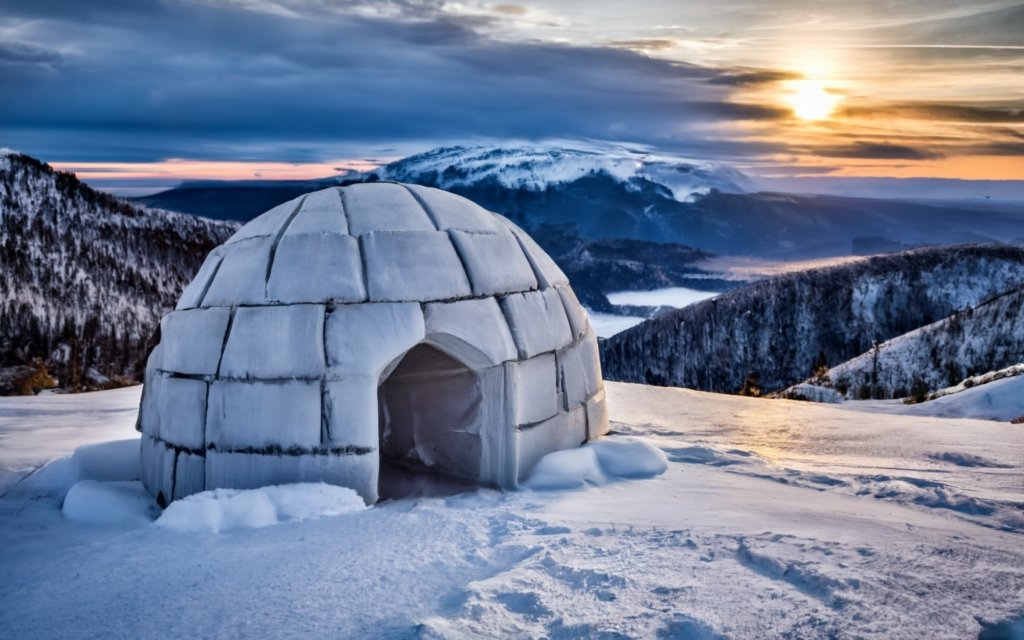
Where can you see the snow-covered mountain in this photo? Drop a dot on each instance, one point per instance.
(972, 341)
(777, 332)
(615, 193)
(538, 168)
(84, 276)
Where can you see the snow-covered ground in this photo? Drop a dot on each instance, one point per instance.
(772, 519)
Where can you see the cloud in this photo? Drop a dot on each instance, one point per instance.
(940, 112)
(876, 151)
(300, 81)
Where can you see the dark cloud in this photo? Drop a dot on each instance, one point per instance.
(876, 151)
(26, 56)
(747, 77)
(151, 80)
(940, 112)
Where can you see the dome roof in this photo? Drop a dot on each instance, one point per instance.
(357, 328)
(372, 242)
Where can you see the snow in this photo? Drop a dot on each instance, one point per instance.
(597, 463)
(676, 297)
(1001, 400)
(118, 504)
(537, 167)
(222, 510)
(772, 519)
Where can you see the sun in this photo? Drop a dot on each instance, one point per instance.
(810, 100)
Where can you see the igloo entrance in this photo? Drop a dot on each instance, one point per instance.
(430, 408)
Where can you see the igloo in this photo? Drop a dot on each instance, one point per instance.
(360, 329)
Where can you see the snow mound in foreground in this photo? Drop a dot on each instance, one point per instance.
(117, 460)
(598, 463)
(119, 504)
(223, 510)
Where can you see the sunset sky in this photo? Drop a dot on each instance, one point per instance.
(139, 90)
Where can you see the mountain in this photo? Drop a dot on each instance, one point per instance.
(972, 341)
(616, 194)
(777, 332)
(85, 277)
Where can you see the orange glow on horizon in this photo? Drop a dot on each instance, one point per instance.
(184, 169)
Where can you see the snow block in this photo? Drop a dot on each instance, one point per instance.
(182, 408)
(238, 279)
(564, 431)
(572, 377)
(194, 292)
(268, 224)
(597, 415)
(275, 342)
(321, 212)
(476, 324)
(413, 265)
(191, 341)
(535, 389)
(157, 463)
(383, 206)
(495, 262)
(362, 339)
(189, 475)
(574, 311)
(450, 211)
(148, 421)
(316, 267)
(350, 411)
(548, 273)
(590, 357)
(537, 321)
(263, 415)
(249, 471)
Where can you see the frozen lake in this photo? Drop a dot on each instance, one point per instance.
(608, 324)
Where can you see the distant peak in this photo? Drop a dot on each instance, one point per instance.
(537, 167)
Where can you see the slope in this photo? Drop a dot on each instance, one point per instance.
(85, 277)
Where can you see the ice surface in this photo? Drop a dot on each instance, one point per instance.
(362, 339)
(321, 212)
(268, 224)
(191, 341)
(181, 405)
(117, 504)
(252, 471)
(535, 389)
(597, 415)
(563, 431)
(413, 265)
(241, 277)
(469, 327)
(259, 415)
(547, 272)
(383, 207)
(350, 410)
(275, 342)
(223, 510)
(194, 292)
(494, 261)
(574, 311)
(450, 211)
(573, 378)
(315, 267)
(537, 321)
(189, 474)
(677, 297)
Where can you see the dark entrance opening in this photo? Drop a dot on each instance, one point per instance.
(429, 425)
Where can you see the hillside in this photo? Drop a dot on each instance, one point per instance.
(85, 277)
(972, 341)
(777, 332)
